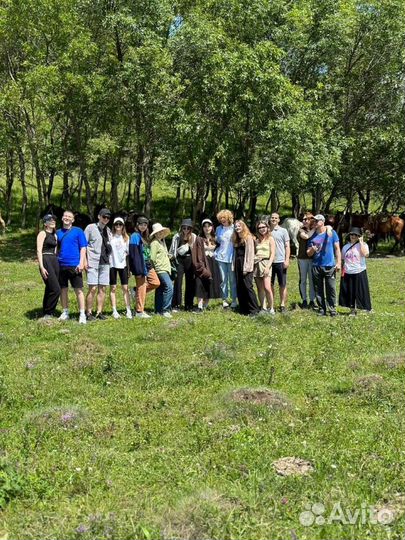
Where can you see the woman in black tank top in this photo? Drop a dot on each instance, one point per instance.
(48, 265)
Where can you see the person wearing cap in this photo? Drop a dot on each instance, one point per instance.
(208, 277)
(98, 237)
(281, 258)
(159, 258)
(72, 246)
(354, 290)
(146, 278)
(47, 243)
(119, 266)
(180, 253)
(324, 249)
(224, 257)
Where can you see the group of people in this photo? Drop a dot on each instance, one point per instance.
(222, 263)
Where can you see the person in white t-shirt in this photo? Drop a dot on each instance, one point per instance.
(354, 289)
(119, 266)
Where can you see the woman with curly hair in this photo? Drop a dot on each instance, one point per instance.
(224, 256)
(244, 260)
(265, 249)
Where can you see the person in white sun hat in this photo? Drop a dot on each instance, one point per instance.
(159, 258)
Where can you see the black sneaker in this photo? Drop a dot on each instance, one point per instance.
(101, 317)
(333, 314)
(283, 309)
(90, 317)
(304, 305)
(312, 305)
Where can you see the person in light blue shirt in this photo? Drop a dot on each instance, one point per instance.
(224, 256)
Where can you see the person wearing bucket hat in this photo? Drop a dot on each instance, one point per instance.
(146, 278)
(208, 277)
(47, 243)
(180, 252)
(354, 289)
(159, 258)
(119, 266)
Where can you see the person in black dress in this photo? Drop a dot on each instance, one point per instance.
(244, 260)
(206, 268)
(48, 265)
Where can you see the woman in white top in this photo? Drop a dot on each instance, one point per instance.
(119, 265)
(354, 289)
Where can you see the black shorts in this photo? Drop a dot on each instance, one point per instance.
(69, 274)
(122, 272)
(277, 269)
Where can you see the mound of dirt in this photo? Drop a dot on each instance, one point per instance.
(293, 466)
(261, 396)
(391, 361)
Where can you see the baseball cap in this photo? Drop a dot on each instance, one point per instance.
(319, 217)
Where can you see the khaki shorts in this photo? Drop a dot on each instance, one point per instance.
(260, 268)
(99, 276)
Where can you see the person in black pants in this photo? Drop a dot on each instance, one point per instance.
(180, 252)
(244, 257)
(48, 265)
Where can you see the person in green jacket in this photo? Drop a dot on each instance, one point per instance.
(159, 257)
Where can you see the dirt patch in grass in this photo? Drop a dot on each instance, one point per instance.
(368, 383)
(197, 517)
(56, 418)
(391, 509)
(86, 354)
(260, 396)
(391, 361)
(293, 466)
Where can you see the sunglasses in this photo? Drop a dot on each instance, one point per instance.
(186, 228)
(119, 225)
(261, 228)
(105, 217)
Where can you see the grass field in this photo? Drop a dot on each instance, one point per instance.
(140, 429)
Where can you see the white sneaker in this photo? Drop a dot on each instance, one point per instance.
(64, 316)
(116, 315)
(129, 314)
(225, 304)
(271, 311)
(167, 314)
(82, 319)
(143, 315)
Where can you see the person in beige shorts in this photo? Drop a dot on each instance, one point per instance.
(265, 249)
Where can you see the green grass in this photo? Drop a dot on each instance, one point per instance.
(128, 429)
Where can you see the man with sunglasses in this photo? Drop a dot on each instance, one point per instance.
(98, 237)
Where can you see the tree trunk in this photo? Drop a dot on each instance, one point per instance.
(147, 176)
(40, 178)
(252, 209)
(50, 184)
(138, 175)
(199, 206)
(114, 183)
(10, 173)
(330, 199)
(24, 202)
(364, 201)
(295, 204)
(274, 201)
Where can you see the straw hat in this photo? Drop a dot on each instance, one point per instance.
(157, 227)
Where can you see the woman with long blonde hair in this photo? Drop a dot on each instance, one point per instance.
(244, 260)
(119, 266)
(265, 249)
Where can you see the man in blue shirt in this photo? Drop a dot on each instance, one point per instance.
(326, 260)
(72, 261)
